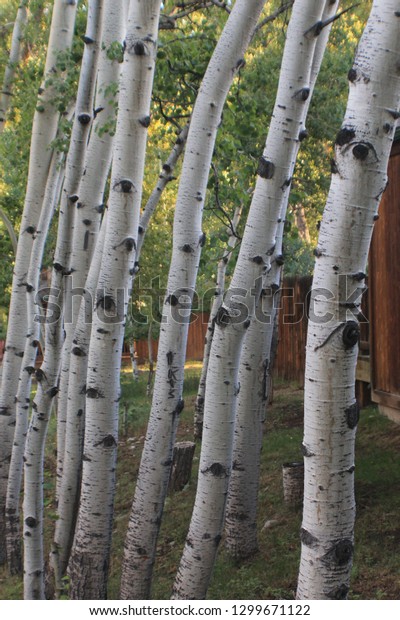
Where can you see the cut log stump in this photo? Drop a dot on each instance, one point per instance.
(181, 465)
(293, 483)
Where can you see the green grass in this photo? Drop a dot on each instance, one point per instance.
(272, 573)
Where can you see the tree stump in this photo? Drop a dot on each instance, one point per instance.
(293, 483)
(181, 465)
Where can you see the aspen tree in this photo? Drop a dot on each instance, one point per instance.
(85, 228)
(88, 566)
(48, 374)
(13, 61)
(188, 239)
(257, 354)
(359, 178)
(234, 317)
(44, 131)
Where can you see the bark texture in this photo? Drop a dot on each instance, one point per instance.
(188, 238)
(44, 131)
(258, 355)
(88, 567)
(234, 317)
(331, 413)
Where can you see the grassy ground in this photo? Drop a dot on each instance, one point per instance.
(272, 573)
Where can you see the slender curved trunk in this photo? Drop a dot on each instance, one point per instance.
(13, 538)
(217, 303)
(10, 229)
(188, 238)
(234, 317)
(331, 412)
(13, 61)
(71, 418)
(44, 131)
(36, 435)
(241, 509)
(70, 217)
(88, 566)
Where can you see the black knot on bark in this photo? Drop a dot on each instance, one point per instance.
(351, 334)
(187, 248)
(40, 375)
(78, 352)
(352, 75)
(352, 415)
(387, 127)
(100, 209)
(73, 198)
(125, 186)
(180, 406)
(317, 252)
(303, 135)
(376, 217)
(172, 300)
(29, 369)
(217, 470)
(80, 413)
(139, 48)
(360, 151)
(35, 343)
(302, 94)
(307, 538)
(306, 452)
(86, 222)
(140, 230)
(106, 302)
(84, 118)
(266, 169)
(31, 521)
(87, 40)
(108, 441)
(52, 391)
(93, 393)
(222, 317)
(345, 135)
(130, 244)
(279, 260)
(338, 594)
(29, 288)
(359, 276)
(30, 230)
(343, 552)
(334, 167)
(246, 324)
(145, 121)
(202, 240)
(258, 260)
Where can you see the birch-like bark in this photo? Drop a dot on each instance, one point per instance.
(44, 131)
(188, 238)
(331, 413)
(71, 420)
(234, 317)
(13, 538)
(13, 61)
(33, 510)
(241, 510)
(217, 302)
(71, 205)
(88, 567)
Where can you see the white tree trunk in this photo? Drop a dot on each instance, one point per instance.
(88, 567)
(70, 220)
(13, 61)
(51, 197)
(44, 130)
(85, 229)
(188, 239)
(217, 303)
(33, 511)
(241, 510)
(258, 244)
(331, 412)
